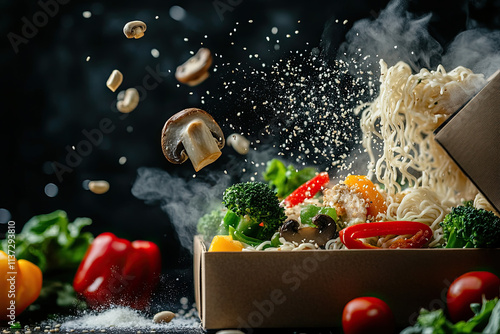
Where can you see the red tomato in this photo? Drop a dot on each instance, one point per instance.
(367, 315)
(469, 288)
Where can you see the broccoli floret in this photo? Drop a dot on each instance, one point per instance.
(210, 224)
(253, 210)
(468, 227)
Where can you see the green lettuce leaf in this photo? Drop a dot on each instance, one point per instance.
(486, 320)
(52, 242)
(286, 179)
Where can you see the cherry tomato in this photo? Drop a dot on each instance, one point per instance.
(469, 288)
(367, 315)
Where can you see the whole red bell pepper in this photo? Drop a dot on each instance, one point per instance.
(421, 232)
(116, 271)
(307, 190)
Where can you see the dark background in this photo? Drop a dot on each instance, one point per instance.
(50, 93)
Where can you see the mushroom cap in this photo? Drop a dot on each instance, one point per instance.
(325, 230)
(172, 132)
(194, 67)
(129, 28)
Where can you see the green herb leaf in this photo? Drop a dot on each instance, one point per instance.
(486, 321)
(52, 242)
(286, 179)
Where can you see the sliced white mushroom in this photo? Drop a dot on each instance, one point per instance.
(195, 69)
(192, 133)
(134, 29)
(99, 187)
(239, 143)
(127, 100)
(115, 80)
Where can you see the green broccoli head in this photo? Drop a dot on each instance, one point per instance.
(468, 227)
(210, 223)
(258, 208)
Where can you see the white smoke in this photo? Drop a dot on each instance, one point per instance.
(477, 49)
(398, 35)
(183, 200)
(394, 35)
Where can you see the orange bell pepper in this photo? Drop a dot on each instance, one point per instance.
(225, 243)
(20, 285)
(375, 200)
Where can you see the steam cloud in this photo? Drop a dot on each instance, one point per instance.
(398, 35)
(395, 35)
(477, 49)
(184, 200)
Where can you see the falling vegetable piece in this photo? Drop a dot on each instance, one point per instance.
(225, 243)
(115, 80)
(421, 232)
(195, 70)
(134, 29)
(307, 190)
(99, 187)
(239, 143)
(127, 100)
(192, 133)
(116, 271)
(27, 279)
(369, 192)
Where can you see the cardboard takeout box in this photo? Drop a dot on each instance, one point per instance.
(294, 289)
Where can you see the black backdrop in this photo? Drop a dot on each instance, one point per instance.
(51, 93)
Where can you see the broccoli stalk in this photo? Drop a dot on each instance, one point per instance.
(468, 227)
(253, 209)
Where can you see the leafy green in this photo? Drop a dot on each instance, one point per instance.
(52, 242)
(486, 320)
(15, 325)
(493, 325)
(286, 179)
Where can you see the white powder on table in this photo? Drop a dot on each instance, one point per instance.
(123, 317)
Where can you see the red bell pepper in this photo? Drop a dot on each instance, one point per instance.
(116, 271)
(307, 190)
(422, 233)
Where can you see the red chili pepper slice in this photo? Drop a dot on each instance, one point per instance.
(116, 271)
(307, 190)
(422, 233)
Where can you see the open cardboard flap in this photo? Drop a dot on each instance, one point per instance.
(299, 289)
(471, 137)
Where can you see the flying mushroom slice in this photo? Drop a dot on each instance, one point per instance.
(192, 133)
(195, 70)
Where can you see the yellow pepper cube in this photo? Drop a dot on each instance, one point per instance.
(225, 243)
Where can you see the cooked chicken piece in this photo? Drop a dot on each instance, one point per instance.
(350, 206)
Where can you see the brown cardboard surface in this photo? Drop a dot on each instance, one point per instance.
(472, 139)
(310, 288)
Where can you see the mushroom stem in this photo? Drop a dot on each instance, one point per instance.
(200, 145)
